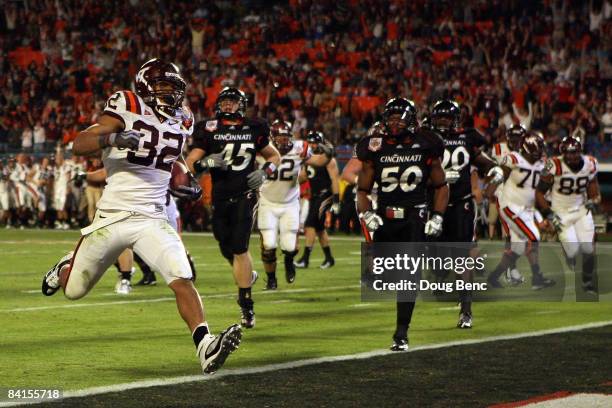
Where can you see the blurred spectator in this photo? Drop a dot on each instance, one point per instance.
(39, 135)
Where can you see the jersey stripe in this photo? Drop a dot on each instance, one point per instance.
(131, 102)
(304, 149)
(514, 159)
(557, 166)
(497, 149)
(128, 102)
(519, 223)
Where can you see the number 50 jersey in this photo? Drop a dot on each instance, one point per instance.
(138, 180)
(401, 169)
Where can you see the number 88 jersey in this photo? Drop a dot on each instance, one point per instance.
(138, 180)
(569, 188)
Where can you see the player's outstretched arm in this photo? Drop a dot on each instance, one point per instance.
(364, 187)
(106, 132)
(195, 155)
(318, 160)
(351, 170)
(593, 195)
(271, 155)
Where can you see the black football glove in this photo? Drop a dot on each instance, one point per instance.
(192, 192)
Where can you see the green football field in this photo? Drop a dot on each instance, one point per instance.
(104, 339)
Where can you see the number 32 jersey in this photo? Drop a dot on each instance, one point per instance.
(239, 145)
(138, 180)
(401, 170)
(282, 186)
(569, 188)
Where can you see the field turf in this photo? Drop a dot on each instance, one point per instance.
(105, 339)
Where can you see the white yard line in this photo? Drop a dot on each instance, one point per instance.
(312, 361)
(170, 298)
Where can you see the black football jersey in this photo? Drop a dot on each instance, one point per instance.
(401, 169)
(460, 149)
(239, 145)
(320, 182)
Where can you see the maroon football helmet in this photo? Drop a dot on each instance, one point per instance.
(532, 146)
(514, 135)
(571, 149)
(161, 86)
(281, 136)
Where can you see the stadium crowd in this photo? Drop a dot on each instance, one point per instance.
(325, 65)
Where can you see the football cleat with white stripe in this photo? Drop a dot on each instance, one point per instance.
(214, 350)
(51, 280)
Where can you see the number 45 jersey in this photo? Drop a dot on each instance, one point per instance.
(282, 186)
(239, 144)
(138, 180)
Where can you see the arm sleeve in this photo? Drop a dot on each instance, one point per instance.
(362, 151)
(262, 138)
(201, 137)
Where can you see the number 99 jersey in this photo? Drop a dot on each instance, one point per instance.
(569, 188)
(401, 169)
(138, 180)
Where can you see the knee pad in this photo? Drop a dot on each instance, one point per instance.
(587, 248)
(518, 248)
(268, 255)
(290, 254)
(571, 249)
(288, 241)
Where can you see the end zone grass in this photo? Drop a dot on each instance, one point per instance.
(105, 339)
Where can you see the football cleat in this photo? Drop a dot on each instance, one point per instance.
(254, 277)
(399, 344)
(493, 283)
(148, 279)
(51, 280)
(514, 277)
(123, 287)
(465, 320)
(271, 284)
(301, 263)
(540, 282)
(213, 350)
(328, 263)
(289, 271)
(589, 288)
(247, 315)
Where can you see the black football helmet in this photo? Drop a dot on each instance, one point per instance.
(514, 135)
(571, 149)
(445, 116)
(532, 146)
(233, 94)
(400, 117)
(315, 137)
(163, 100)
(280, 131)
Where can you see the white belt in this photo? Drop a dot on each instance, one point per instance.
(105, 222)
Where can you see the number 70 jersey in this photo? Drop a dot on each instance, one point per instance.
(519, 188)
(138, 180)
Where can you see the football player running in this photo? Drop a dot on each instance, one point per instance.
(462, 151)
(324, 191)
(140, 136)
(575, 195)
(227, 146)
(517, 208)
(514, 135)
(401, 215)
(279, 208)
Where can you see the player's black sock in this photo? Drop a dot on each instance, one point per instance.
(199, 333)
(271, 275)
(327, 252)
(244, 297)
(588, 267)
(404, 316)
(307, 251)
(142, 265)
(126, 275)
(535, 270)
(465, 297)
(507, 260)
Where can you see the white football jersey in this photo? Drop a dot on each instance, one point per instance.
(19, 173)
(282, 187)
(138, 180)
(499, 151)
(63, 174)
(519, 188)
(569, 189)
